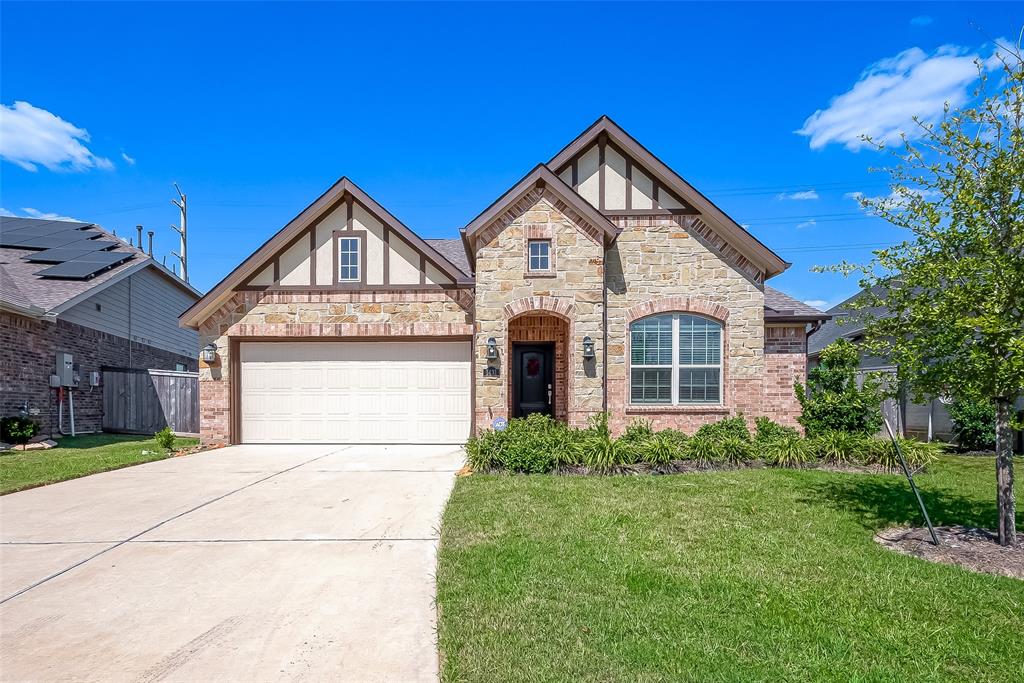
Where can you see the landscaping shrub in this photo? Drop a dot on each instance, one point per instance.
(974, 424)
(832, 401)
(768, 430)
(723, 429)
(836, 447)
(17, 430)
(165, 439)
(664, 447)
(601, 452)
(787, 452)
(702, 450)
(735, 450)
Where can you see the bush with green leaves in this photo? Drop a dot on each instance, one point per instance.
(832, 399)
(165, 438)
(974, 423)
(837, 447)
(787, 452)
(703, 450)
(729, 427)
(768, 430)
(17, 430)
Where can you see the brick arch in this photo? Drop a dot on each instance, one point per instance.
(678, 304)
(560, 308)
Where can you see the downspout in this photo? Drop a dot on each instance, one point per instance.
(604, 334)
(130, 364)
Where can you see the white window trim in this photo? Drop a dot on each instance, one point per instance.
(530, 257)
(676, 365)
(359, 261)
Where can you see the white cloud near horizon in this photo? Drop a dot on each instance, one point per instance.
(31, 137)
(806, 224)
(798, 196)
(820, 304)
(890, 92)
(130, 160)
(29, 212)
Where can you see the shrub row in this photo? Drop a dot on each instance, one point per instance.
(540, 444)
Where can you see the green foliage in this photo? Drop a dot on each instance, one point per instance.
(17, 430)
(730, 427)
(664, 447)
(735, 450)
(974, 423)
(787, 452)
(837, 447)
(638, 431)
(768, 430)
(832, 401)
(165, 439)
(702, 450)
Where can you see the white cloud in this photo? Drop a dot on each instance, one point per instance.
(31, 137)
(130, 160)
(806, 224)
(922, 20)
(798, 196)
(893, 199)
(890, 92)
(29, 212)
(820, 304)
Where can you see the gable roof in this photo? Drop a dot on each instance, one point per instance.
(729, 229)
(845, 322)
(24, 291)
(322, 206)
(541, 176)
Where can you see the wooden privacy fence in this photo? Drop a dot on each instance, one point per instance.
(146, 401)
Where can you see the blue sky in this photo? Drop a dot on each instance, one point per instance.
(435, 110)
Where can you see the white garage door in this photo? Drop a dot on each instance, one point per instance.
(355, 392)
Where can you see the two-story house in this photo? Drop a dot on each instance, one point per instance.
(602, 281)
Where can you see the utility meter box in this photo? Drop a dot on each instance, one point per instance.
(66, 370)
(94, 379)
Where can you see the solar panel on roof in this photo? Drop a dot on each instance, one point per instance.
(61, 239)
(68, 253)
(84, 269)
(41, 229)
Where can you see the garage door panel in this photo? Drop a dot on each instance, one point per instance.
(338, 392)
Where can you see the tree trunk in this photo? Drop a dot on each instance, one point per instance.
(1004, 475)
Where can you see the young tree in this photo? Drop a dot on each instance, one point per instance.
(955, 287)
(832, 401)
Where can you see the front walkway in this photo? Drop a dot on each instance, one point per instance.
(246, 563)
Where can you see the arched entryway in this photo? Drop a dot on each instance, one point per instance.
(537, 356)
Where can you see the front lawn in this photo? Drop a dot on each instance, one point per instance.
(754, 574)
(78, 456)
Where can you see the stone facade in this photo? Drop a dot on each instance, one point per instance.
(658, 265)
(29, 347)
(572, 292)
(318, 314)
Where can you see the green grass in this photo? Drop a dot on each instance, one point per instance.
(745, 575)
(76, 457)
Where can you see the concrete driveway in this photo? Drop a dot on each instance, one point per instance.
(245, 563)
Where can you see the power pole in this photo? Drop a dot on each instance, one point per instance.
(182, 231)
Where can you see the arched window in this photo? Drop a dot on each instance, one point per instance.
(675, 359)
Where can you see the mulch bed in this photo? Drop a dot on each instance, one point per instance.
(690, 466)
(975, 549)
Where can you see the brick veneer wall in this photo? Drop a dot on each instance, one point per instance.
(318, 314)
(658, 265)
(785, 355)
(28, 349)
(573, 292)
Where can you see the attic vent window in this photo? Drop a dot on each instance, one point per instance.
(540, 255)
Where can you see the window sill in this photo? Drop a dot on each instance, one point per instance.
(540, 273)
(712, 409)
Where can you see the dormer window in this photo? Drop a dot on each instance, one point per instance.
(539, 256)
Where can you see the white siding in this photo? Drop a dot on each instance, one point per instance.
(155, 307)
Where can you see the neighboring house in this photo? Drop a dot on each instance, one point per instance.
(928, 420)
(600, 281)
(74, 288)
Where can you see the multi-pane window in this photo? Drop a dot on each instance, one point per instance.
(675, 359)
(539, 254)
(348, 259)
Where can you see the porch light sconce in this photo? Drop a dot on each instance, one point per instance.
(209, 353)
(492, 349)
(588, 348)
